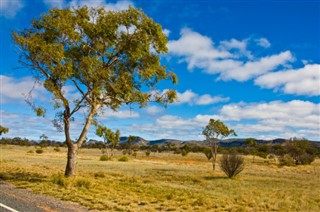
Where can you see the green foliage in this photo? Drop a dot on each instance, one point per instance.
(217, 130)
(148, 152)
(111, 61)
(184, 153)
(208, 153)
(30, 152)
(3, 130)
(56, 149)
(232, 164)
(286, 160)
(301, 151)
(214, 132)
(124, 159)
(39, 151)
(108, 135)
(104, 158)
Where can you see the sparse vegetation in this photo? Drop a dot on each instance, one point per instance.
(124, 159)
(214, 132)
(104, 158)
(232, 164)
(39, 151)
(164, 181)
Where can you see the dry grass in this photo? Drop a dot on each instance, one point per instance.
(163, 182)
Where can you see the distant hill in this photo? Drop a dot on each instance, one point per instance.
(234, 142)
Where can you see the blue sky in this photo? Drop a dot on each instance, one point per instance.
(255, 65)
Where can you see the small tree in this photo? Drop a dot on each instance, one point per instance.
(109, 138)
(131, 140)
(251, 143)
(107, 58)
(231, 164)
(3, 130)
(214, 132)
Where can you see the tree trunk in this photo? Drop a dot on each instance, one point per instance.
(213, 158)
(72, 160)
(214, 155)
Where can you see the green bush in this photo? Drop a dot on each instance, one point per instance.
(56, 149)
(30, 152)
(134, 154)
(39, 151)
(286, 160)
(184, 153)
(148, 152)
(232, 164)
(104, 158)
(123, 159)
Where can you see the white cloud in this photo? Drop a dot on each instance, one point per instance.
(269, 120)
(263, 42)
(119, 5)
(13, 89)
(9, 8)
(303, 81)
(239, 46)
(166, 32)
(186, 97)
(199, 51)
(256, 68)
(206, 99)
(55, 3)
(153, 110)
(192, 98)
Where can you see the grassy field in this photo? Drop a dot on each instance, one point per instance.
(162, 182)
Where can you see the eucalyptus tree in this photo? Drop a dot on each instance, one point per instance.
(109, 137)
(108, 58)
(214, 132)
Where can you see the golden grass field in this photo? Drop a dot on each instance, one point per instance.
(162, 182)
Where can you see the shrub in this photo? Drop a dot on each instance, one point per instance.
(39, 151)
(207, 152)
(231, 164)
(124, 159)
(301, 151)
(134, 154)
(148, 152)
(83, 183)
(56, 149)
(30, 151)
(184, 153)
(60, 180)
(104, 158)
(286, 160)
(305, 159)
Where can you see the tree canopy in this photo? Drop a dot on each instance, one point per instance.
(108, 58)
(3, 130)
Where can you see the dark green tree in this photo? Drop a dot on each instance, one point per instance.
(214, 132)
(109, 58)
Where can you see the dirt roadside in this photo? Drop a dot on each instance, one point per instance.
(24, 200)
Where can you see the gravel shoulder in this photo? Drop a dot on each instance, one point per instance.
(24, 200)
